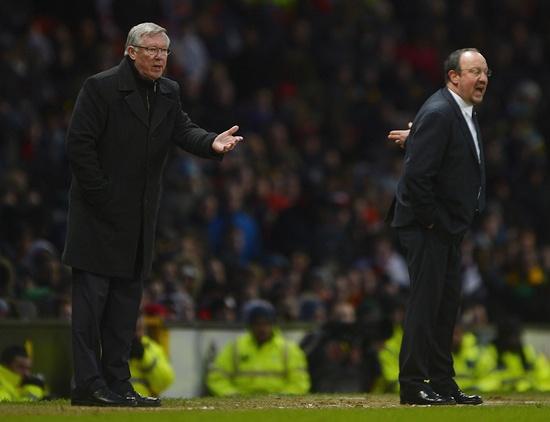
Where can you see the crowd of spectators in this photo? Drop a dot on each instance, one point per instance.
(295, 215)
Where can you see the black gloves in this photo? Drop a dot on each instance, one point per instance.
(137, 350)
(34, 379)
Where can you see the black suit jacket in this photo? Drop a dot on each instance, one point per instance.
(117, 155)
(443, 182)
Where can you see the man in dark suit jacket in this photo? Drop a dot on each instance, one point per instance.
(124, 123)
(440, 192)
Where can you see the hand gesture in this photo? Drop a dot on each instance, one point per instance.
(225, 141)
(400, 136)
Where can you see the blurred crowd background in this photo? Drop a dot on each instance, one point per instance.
(295, 215)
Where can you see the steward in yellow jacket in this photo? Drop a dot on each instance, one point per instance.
(508, 371)
(509, 365)
(388, 358)
(150, 369)
(260, 361)
(466, 358)
(16, 381)
(466, 355)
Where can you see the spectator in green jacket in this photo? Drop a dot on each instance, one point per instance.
(150, 369)
(261, 361)
(17, 383)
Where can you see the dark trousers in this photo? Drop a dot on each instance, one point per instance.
(105, 311)
(434, 263)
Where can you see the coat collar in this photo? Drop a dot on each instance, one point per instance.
(462, 121)
(127, 79)
(464, 106)
(127, 83)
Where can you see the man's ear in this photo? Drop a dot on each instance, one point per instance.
(453, 76)
(132, 52)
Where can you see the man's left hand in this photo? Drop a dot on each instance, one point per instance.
(225, 141)
(399, 137)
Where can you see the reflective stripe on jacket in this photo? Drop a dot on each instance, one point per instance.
(242, 368)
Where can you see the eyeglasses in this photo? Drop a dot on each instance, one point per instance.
(476, 71)
(153, 51)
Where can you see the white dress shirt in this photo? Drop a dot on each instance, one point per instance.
(467, 111)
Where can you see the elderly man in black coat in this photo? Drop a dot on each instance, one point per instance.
(124, 123)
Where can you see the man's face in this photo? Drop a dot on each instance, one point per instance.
(21, 365)
(262, 330)
(470, 82)
(150, 65)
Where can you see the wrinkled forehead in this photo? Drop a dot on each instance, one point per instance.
(471, 59)
(157, 40)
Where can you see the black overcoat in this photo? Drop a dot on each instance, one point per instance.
(117, 155)
(443, 182)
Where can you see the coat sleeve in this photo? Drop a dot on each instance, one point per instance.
(425, 151)
(191, 138)
(221, 371)
(87, 123)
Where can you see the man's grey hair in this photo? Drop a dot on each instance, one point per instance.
(143, 29)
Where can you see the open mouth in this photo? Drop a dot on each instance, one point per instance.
(480, 90)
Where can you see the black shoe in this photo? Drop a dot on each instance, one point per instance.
(425, 397)
(103, 396)
(462, 398)
(143, 401)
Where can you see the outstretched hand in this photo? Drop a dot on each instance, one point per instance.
(225, 141)
(399, 137)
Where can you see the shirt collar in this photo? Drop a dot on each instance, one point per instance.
(464, 106)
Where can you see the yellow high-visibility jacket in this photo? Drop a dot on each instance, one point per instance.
(153, 373)
(244, 368)
(466, 362)
(510, 374)
(12, 390)
(388, 357)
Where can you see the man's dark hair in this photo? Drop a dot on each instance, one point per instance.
(11, 352)
(453, 61)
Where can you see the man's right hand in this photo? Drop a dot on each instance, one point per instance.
(399, 137)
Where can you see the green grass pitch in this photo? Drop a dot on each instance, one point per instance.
(345, 408)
